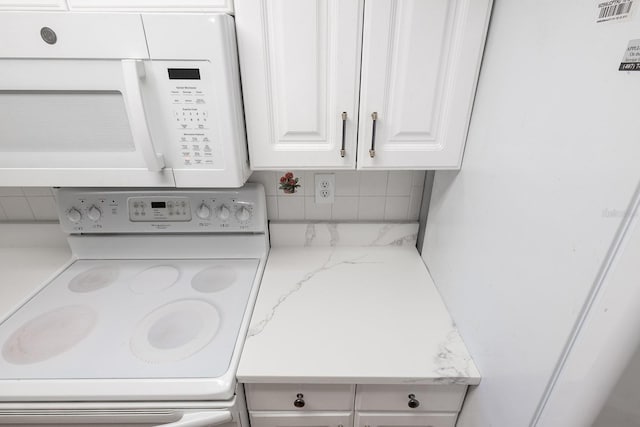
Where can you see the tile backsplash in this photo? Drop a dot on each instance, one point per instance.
(27, 204)
(359, 196)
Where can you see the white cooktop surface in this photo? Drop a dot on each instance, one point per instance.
(130, 319)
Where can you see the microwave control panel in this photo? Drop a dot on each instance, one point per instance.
(186, 95)
(190, 110)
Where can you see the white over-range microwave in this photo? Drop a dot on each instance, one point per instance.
(120, 99)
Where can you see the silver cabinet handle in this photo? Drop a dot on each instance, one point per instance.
(372, 151)
(344, 132)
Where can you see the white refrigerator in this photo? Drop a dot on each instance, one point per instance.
(533, 243)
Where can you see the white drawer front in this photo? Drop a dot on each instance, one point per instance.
(315, 397)
(396, 397)
(301, 419)
(373, 419)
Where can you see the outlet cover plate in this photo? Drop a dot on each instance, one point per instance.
(325, 188)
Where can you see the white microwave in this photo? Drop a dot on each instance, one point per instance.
(120, 99)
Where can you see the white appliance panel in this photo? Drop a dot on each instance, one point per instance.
(211, 39)
(516, 240)
(159, 212)
(174, 319)
(80, 114)
(96, 111)
(182, 114)
(144, 315)
(87, 35)
(99, 114)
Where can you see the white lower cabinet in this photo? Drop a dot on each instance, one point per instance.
(300, 419)
(405, 419)
(327, 405)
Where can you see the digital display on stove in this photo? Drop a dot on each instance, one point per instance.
(149, 209)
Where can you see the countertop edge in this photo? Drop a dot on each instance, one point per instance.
(266, 379)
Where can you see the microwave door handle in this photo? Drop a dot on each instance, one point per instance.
(201, 419)
(133, 71)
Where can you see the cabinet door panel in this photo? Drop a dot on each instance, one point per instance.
(402, 419)
(300, 63)
(301, 419)
(420, 64)
(32, 5)
(225, 6)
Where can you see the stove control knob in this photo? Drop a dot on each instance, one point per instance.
(243, 214)
(74, 215)
(94, 213)
(203, 211)
(223, 213)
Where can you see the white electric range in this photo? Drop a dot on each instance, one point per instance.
(146, 324)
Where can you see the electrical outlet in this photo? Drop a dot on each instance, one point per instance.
(325, 188)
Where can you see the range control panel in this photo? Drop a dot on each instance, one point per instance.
(149, 211)
(160, 208)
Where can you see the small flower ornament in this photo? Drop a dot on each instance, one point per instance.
(288, 183)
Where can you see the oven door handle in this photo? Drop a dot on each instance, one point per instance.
(201, 419)
(133, 71)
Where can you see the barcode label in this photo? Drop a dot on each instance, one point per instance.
(614, 10)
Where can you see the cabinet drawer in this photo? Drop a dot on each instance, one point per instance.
(301, 419)
(396, 397)
(404, 419)
(315, 397)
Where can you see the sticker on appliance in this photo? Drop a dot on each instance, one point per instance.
(614, 10)
(631, 59)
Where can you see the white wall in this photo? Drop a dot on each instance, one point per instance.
(360, 196)
(622, 409)
(516, 239)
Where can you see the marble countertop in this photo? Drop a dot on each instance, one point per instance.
(30, 254)
(351, 303)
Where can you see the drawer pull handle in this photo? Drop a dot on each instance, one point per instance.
(299, 402)
(413, 402)
(372, 151)
(343, 152)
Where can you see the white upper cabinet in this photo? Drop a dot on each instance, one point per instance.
(301, 70)
(225, 6)
(419, 69)
(33, 5)
(300, 63)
